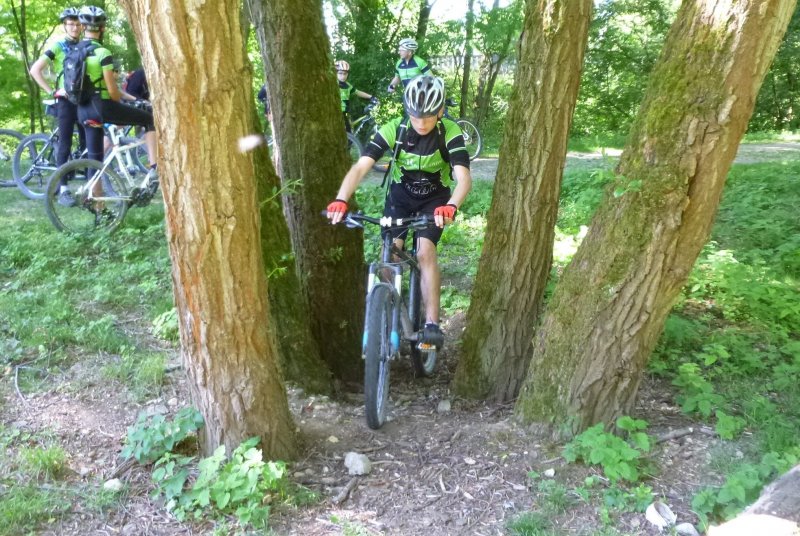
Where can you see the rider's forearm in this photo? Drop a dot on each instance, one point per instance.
(363, 95)
(37, 73)
(463, 179)
(354, 178)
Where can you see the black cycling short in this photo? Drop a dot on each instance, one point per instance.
(401, 204)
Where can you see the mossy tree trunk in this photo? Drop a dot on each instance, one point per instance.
(613, 299)
(309, 133)
(518, 249)
(299, 352)
(197, 69)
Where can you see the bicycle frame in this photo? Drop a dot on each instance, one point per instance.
(393, 259)
(116, 155)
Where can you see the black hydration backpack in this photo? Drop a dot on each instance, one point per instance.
(77, 84)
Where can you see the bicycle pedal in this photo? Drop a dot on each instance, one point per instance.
(425, 347)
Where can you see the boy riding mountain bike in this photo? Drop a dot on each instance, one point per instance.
(408, 66)
(429, 155)
(347, 90)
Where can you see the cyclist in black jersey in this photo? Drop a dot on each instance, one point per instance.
(66, 112)
(409, 66)
(347, 90)
(430, 157)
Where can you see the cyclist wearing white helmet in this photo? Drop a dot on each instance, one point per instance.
(430, 158)
(408, 66)
(346, 90)
(66, 112)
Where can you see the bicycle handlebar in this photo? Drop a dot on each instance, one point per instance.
(355, 219)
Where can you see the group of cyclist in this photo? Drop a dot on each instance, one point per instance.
(429, 152)
(106, 102)
(429, 158)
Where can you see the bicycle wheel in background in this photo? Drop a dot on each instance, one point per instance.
(9, 141)
(377, 353)
(354, 148)
(424, 362)
(472, 138)
(87, 215)
(34, 162)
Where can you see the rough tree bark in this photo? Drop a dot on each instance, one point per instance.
(612, 300)
(310, 133)
(518, 249)
(196, 66)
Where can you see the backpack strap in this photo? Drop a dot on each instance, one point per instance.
(399, 141)
(442, 142)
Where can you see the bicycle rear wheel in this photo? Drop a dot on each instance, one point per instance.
(354, 148)
(377, 354)
(34, 162)
(424, 362)
(472, 138)
(103, 212)
(9, 141)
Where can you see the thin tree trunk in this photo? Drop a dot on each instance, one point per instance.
(422, 21)
(196, 64)
(611, 302)
(517, 252)
(310, 133)
(462, 106)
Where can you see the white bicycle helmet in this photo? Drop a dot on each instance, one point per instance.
(342, 65)
(424, 96)
(92, 17)
(408, 44)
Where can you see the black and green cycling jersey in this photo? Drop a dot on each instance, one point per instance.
(346, 90)
(420, 162)
(99, 61)
(56, 54)
(408, 70)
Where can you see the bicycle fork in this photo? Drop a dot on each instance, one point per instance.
(373, 280)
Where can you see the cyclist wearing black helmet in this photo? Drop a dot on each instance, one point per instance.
(430, 157)
(66, 112)
(105, 105)
(408, 66)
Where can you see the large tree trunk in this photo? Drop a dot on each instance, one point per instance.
(310, 133)
(518, 248)
(299, 353)
(611, 303)
(196, 65)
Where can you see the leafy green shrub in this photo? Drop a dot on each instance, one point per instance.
(151, 438)
(697, 393)
(236, 487)
(165, 325)
(620, 459)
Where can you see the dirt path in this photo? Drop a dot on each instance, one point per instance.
(749, 153)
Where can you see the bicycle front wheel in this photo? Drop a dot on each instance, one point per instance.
(98, 205)
(472, 138)
(34, 162)
(377, 354)
(9, 141)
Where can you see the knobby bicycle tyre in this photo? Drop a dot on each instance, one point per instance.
(9, 141)
(354, 148)
(34, 162)
(472, 138)
(377, 354)
(424, 362)
(87, 215)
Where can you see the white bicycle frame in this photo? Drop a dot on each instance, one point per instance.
(119, 153)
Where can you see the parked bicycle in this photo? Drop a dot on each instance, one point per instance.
(394, 321)
(472, 137)
(113, 186)
(364, 128)
(9, 141)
